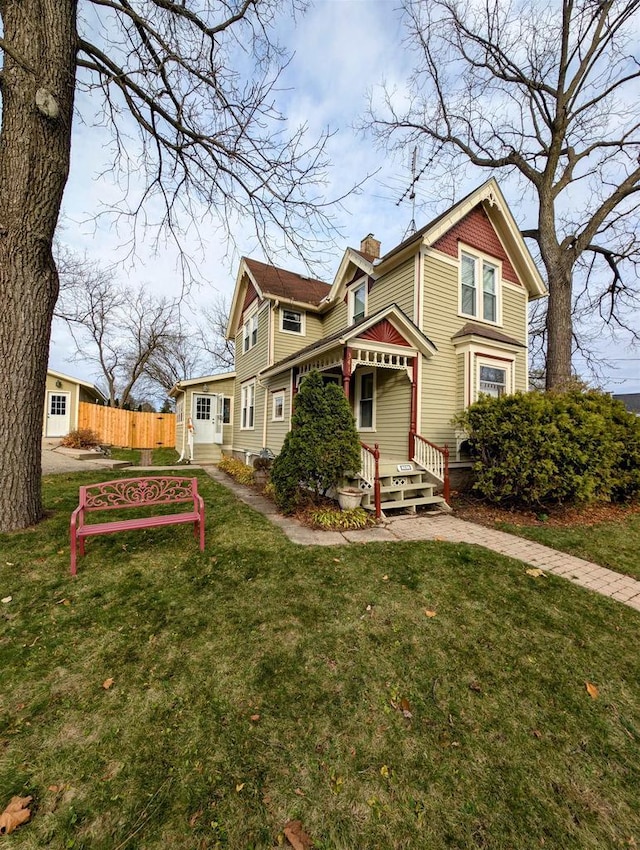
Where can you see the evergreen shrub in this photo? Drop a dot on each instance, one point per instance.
(570, 447)
(320, 448)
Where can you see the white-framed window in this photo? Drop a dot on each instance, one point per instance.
(479, 288)
(357, 301)
(180, 411)
(366, 401)
(250, 332)
(277, 410)
(247, 405)
(493, 377)
(292, 321)
(226, 410)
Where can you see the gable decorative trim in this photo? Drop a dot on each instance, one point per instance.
(385, 333)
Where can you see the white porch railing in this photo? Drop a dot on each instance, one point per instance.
(367, 466)
(434, 459)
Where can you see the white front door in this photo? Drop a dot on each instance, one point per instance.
(204, 418)
(58, 414)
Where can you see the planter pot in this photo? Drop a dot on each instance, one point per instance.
(349, 498)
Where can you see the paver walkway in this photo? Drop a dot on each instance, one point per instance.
(438, 526)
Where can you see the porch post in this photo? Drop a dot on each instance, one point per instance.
(346, 371)
(413, 426)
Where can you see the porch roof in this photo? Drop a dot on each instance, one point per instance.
(411, 332)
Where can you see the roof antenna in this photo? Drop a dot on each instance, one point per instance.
(410, 193)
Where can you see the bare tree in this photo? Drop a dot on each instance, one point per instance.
(117, 328)
(199, 348)
(547, 92)
(197, 82)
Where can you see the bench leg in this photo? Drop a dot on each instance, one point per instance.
(73, 554)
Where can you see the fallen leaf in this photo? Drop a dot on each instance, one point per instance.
(384, 771)
(536, 733)
(385, 578)
(474, 686)
(336, 560)
(430, 613)
(296, 836)
(536, 572)
(406, 709)
(239, 787)
(592, 690)
(15, 814)
(7, 599)
(107, 684)
(55, 788)
(9, 564)
(255, 718)
(195, 817)
(299, 792)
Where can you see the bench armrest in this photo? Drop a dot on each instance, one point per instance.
(77, 518)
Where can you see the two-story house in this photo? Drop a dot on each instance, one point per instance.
(413, 336)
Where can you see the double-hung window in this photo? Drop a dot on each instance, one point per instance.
(250, 332)
(247, 405)
(479, 288)
(292, 321)
(365, 400)
(277, 413)
(357, 302)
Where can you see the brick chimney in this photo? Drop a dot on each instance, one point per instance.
(370, 246)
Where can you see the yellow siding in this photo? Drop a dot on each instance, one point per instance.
(335, 319)
(460, 381)
(277, 431)
(395, 287)
(392, 414)
(286, 344)
(70, 387)
(439, 386)
(515, 317)
(249, 363)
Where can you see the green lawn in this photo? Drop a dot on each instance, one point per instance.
(259, 682)
(611, 544)
(159, 457)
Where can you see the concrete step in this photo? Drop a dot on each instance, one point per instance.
(401, 504)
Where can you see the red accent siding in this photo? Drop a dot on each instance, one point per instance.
(250, 296)
(385, 332)
(476, 230)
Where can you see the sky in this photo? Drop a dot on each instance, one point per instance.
(342, 50)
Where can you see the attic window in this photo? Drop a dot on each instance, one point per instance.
(358, 302)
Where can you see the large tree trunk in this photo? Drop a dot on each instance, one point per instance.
(38, 82)
(559, 329)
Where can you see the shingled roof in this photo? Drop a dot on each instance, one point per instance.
(281, 283)
(472, 329)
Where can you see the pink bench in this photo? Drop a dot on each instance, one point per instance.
(135, 493)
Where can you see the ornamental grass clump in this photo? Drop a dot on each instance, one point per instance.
(81, 438)
(238, 470)
(573, 447)
(321, 447)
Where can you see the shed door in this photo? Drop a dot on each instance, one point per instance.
(58, 414)
(204, 417)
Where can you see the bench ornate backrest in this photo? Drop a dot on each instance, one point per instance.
(137, 492)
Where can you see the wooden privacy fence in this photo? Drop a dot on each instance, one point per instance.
(128, 428)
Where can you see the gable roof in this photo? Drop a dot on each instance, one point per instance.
(182, 386)
(392, 312)
(498, 212)
(630, 400)
(61, 376)
(273, 283)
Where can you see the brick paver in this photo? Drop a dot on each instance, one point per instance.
(440, 526)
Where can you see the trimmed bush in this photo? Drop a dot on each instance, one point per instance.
(320, 448)
(553, 448)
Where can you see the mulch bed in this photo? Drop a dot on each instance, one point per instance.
(466, 507)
